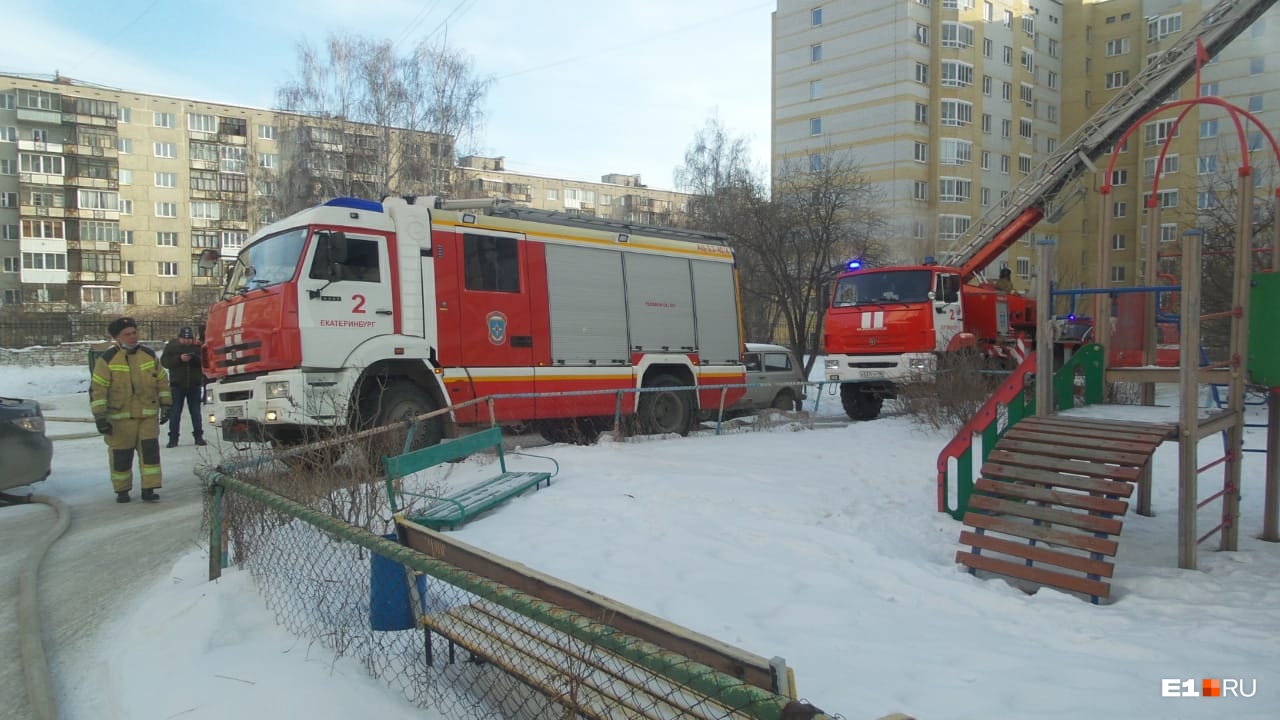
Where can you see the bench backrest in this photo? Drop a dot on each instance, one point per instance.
(444, 451)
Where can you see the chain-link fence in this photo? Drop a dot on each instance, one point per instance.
(58, 328)
(469, 640)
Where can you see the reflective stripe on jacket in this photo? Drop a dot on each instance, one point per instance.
(128, 384)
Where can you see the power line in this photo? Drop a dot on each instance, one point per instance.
(119, 32)
(633, 43)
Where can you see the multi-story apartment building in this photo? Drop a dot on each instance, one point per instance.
(618, 197)
(947, 104)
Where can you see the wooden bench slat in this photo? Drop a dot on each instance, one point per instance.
(1143, 440)
(1034, 574)
(1062, 465)
(1163, 430)
(1050, 495)
(1082, 521)
(1069, 452)
(1018, 432)
(1037, 553)
(540, 655)
(1024, 529)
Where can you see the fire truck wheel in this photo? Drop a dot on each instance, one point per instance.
(859, 405)
(398, 400)
(666, 411)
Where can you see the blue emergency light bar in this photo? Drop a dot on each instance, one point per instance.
(355, 204)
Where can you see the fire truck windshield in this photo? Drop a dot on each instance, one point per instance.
(269, 261)
(869, 288)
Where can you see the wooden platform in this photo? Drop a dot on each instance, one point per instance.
(1051, 500)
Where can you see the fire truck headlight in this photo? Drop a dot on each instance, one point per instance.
(272, 416)
(830, 364)
(213, 419)
(277, 390)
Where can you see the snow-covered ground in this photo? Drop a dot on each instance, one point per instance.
(822, 546)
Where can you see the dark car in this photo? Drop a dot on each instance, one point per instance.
(25, 452)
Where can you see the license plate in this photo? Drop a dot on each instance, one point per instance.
(872, 373)
(235, 411)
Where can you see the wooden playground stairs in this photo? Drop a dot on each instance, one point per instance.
(1050, 502)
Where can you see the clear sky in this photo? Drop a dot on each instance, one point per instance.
(581, 88)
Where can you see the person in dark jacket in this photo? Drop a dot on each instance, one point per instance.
(181, 358)
(129, 399)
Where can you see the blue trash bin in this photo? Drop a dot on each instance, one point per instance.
(390, 602)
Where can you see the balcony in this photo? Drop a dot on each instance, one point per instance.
(27, 178)
(90, 120)
(42, 211)
(43, 117)
(87, 214)
(93, 183)
(38, 146)
(211, 165)
(91, 151)
(93, 277)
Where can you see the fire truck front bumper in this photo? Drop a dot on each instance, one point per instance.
(276, 406)
(877, 368)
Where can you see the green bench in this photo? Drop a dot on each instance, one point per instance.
(455, 509)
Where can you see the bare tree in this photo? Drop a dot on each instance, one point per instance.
(362, 120)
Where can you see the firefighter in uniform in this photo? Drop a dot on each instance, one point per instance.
(130, 399)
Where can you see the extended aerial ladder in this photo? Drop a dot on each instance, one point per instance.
(1038, 194)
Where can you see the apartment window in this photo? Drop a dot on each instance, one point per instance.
(815, 163)
(1171, 165)
(984, 195)
(1006, 55)
(163, 119)
(1157, 132)
(815, 17)
(553, 194)
(955, 152)
(920, 190)
(986, 85)
(815, 126)
(815, 89)
(126, 236)
(922, 33)
(165, 150)
(125, 176)
(166, 179)
(1118, 241)
(44, 229)
(37, 100)
(233, 241)
(921, 152)
(815, 52)
(8, 167)
(1119, 177)
(267, 132)
(1255, 103)
(986, 123)
(167, 269)
(9, 199)
(204, 210)
(98, 200)
(1028, 25)
(922, 113)
(41, 164)
(1119, 46)
(953, 189)
(1006, 127)
(201, 239)
(1117, 79)
(1117, 273)
(1162, 27)
(166, 209)
(1207, 164)
(8, 134)
(951, 227)
(166, 239)
(13, 263)
(198, 122)
(1024, 164)
(957, 35)
(99, 231)
(956, 74)
(1025, 93)
(1028, 60)
(1206, 200)
(126, 207)
(985, 162)
(1257, 66)
(1168, 232)
(1054, 50)
(986, 47)
(1208, 128)
(956, 112)
(6, 101)
(1052, 80)
(169, 297)
(1119, 209)
(1004, 164)
(1024, 267)
(126, 267)
(1051, 113)
(1024, 128)
(269, 161)
(922, 73)
(988, 11)
(232, 159)
(44, 261)
(1006, 92)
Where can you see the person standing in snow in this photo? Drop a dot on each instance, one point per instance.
(129, 398)
(181, 357)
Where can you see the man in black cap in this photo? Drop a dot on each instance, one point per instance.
(181, 358)
(129, 399)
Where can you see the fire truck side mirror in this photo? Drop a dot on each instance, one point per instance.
(335, 244)
(208, 260)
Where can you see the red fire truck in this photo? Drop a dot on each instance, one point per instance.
(357, 313)
(885, 324)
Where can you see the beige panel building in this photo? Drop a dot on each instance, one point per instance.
(618, 197)
(945, 105)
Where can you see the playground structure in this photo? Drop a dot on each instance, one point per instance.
(1058, 484)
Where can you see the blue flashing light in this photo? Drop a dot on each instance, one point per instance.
(930, 260)
(1071, 317)
(854, 264)
(355, 204)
